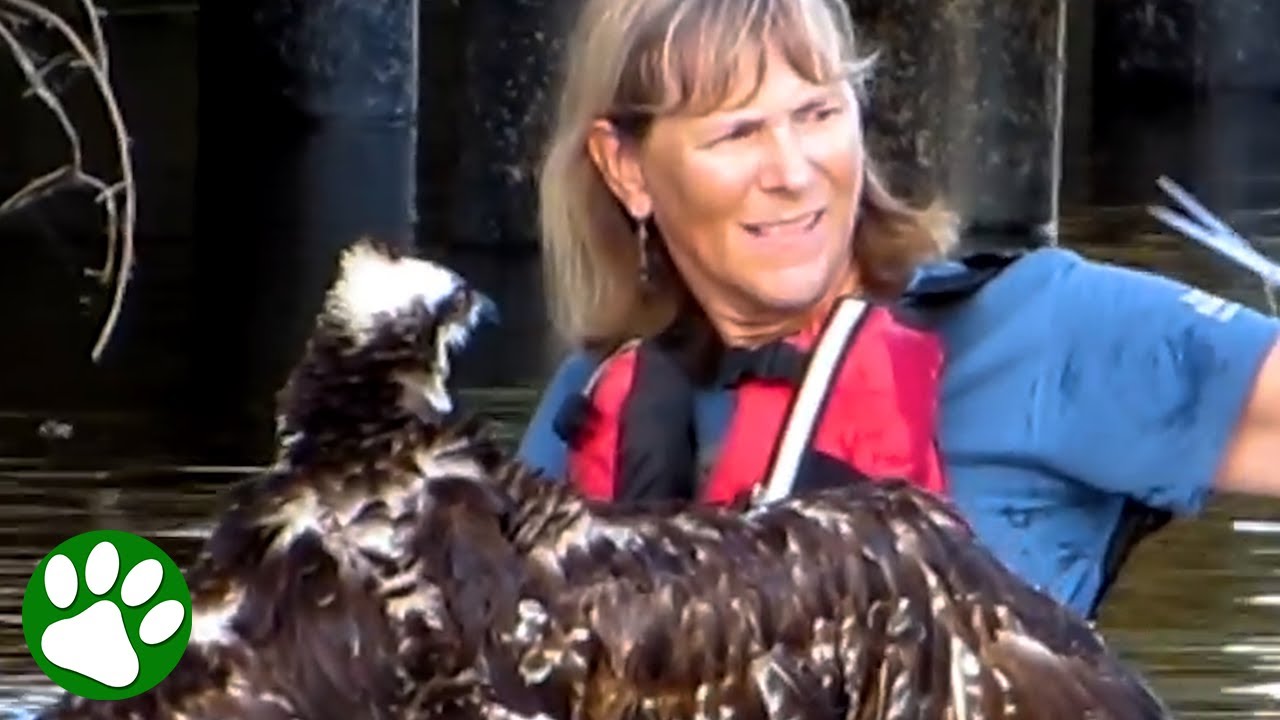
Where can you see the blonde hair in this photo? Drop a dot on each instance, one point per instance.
(633, 60)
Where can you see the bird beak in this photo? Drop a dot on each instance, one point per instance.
(484, 309)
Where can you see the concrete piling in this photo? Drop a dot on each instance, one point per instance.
(967, 103)
(512, 49)
(1175, 50)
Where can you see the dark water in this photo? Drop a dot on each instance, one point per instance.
(146, 441)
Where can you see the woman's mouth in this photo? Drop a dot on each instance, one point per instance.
(795, 225)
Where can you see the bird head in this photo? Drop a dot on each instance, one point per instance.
(381, 351)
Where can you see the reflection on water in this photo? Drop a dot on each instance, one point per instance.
(181, 407)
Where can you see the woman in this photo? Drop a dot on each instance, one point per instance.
(721, 236)
(1080, 402)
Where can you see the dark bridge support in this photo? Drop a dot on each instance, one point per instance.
(1175, 49)
(967, 102)
(512, 47)
(307, 140)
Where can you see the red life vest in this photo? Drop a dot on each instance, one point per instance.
(866, 397)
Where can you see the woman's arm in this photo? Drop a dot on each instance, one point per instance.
(1252, 463)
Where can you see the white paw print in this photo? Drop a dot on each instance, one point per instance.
(95, 642)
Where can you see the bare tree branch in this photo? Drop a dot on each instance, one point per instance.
(118, 198)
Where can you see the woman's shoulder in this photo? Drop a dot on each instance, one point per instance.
(1098, 298)
(968, 298)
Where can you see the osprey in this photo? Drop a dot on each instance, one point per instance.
(396, 563)
(302, 593)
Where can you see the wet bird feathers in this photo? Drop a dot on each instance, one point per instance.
(859, 601)
(394, 564)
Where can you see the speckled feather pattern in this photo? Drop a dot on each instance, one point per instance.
(862, 601)
(394, 566)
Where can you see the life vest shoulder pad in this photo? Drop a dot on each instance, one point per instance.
(611, 432)
(955, 280)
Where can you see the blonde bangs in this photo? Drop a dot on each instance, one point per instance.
(692, 57)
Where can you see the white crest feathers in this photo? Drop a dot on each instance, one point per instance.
(373, 284)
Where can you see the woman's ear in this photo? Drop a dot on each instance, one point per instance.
(619, 164)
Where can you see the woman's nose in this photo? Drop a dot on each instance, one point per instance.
(786, 166)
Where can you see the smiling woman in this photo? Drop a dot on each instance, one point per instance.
(707, 205)
(755, 202)
(721, 138)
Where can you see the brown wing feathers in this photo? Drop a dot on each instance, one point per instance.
(520, 600)
(865, 601)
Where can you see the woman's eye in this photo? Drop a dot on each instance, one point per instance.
(738, 133)
(822, 113)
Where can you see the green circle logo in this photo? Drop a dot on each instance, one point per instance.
(107, 615)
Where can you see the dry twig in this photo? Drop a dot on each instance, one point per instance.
(117, 198)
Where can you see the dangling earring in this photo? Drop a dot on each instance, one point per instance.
(642, 247)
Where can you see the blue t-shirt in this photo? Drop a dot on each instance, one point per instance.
(1070, 385)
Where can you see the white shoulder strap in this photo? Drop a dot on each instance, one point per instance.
(810, 399)
(590, 386)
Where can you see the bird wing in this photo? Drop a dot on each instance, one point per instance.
(867, 600)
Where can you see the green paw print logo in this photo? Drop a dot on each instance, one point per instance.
(98, 636)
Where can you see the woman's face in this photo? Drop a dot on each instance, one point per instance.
(756, 200)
